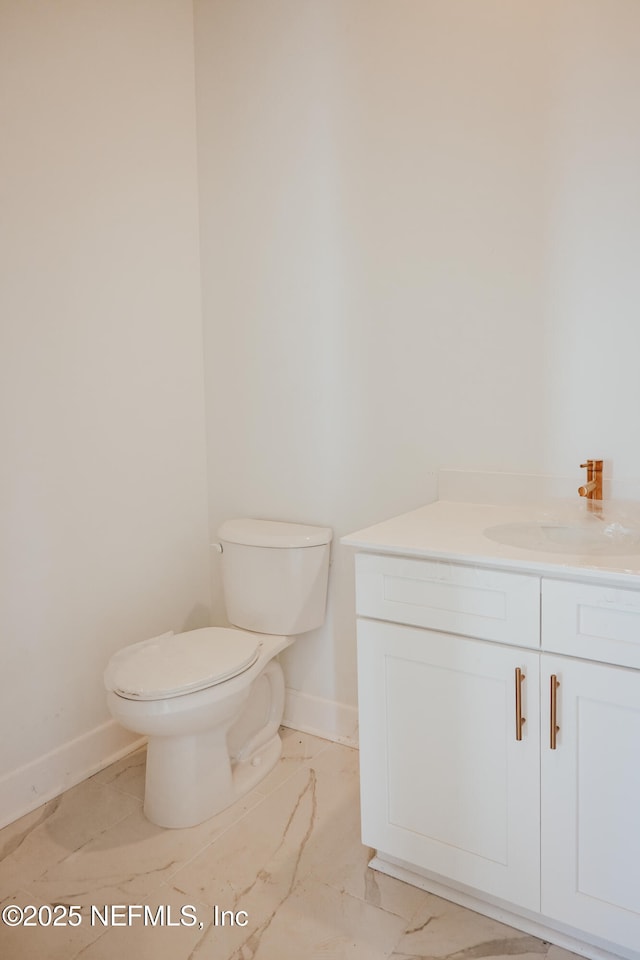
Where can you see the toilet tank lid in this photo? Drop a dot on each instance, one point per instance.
(273, 533)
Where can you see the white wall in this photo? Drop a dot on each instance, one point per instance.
(592, 281)
(103, 505)
(419, 223)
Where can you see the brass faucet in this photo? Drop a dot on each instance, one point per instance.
(592, 489)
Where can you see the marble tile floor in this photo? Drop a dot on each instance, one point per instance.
(281, 874)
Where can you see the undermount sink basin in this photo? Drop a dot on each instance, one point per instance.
(593, 537)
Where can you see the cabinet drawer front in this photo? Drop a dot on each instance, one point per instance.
(592, 622)
(445, 596)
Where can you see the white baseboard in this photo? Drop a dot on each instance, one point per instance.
(28, 787)
(322, 718)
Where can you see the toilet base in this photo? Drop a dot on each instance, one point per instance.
(191, 778)
(172, 802)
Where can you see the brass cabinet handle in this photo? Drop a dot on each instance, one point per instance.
(553, 718)
(520, 720)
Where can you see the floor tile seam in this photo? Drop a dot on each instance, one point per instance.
(357, 900)
(10, 890)
(118, 792)
(451, 909)
(210, 843)
(266, 795)
(102, 778)
(39, 900)
(170, 887)
(27, 882)
(87, 946)
(302, 763)
(328, 745)
(21, 837)
(361, 899)
(156, 897)
(20, 890)
(99, 833)
(114, 884)
(300, 766)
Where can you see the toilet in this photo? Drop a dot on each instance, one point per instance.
(210, 701)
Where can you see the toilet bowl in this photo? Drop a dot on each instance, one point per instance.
(195, 765)
(210, 701)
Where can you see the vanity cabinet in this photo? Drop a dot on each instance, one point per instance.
(499, 751)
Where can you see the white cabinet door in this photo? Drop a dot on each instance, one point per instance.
(591, 800)
(446, 785)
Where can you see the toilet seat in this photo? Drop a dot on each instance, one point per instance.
(176, 664)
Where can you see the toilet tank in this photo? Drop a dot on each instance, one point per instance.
(275, 575)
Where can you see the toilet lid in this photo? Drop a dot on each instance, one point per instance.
(174, 664)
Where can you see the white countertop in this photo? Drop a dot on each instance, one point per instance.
(455, 531)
